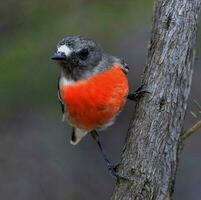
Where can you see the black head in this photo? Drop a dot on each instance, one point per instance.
(77, 56)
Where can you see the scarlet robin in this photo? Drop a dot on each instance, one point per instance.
(92, 87)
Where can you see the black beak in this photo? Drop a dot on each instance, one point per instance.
(59, 56)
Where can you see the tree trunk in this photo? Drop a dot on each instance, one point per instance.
(150, 154)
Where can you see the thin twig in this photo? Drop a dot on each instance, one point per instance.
(191, 131)
(197, 104)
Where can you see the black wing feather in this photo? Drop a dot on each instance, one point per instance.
(59, 97)
(125, 67)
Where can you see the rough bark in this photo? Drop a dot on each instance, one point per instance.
(150, 154)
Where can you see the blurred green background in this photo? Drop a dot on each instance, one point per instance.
(36, 159)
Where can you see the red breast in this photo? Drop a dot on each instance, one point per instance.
(94, 102)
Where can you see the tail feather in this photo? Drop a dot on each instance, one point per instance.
(77, 135)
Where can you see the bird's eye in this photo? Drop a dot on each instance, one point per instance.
(83, 54)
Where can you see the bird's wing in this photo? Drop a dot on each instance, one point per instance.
(59, 97)
(124, 66)
(77, 135)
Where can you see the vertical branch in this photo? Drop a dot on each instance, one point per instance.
(150, 155)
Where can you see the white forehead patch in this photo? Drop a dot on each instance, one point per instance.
(64, 49)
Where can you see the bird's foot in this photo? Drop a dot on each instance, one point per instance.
(138, 94)
(113, 171)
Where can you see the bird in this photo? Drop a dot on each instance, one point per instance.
(92, 88)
